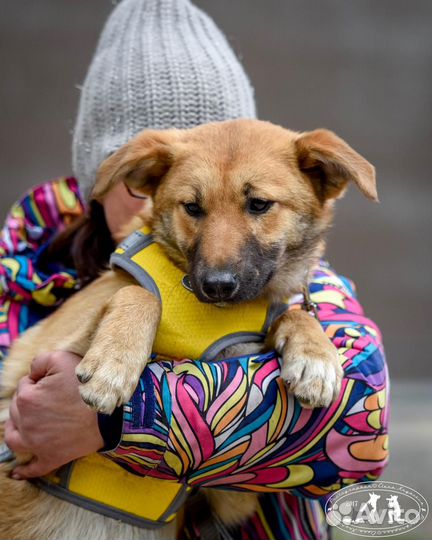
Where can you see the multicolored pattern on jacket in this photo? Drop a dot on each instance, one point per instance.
(28, 292)
(234, 424)
(228, 424)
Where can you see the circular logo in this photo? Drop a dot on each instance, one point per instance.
(376, 509)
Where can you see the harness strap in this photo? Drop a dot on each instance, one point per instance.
(122, 258)
(99, 485)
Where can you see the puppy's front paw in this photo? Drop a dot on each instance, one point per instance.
(312, 371)
(104, 385)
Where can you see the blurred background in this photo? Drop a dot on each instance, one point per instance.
(362, 69)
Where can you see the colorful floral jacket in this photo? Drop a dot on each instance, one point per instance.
(229, 424)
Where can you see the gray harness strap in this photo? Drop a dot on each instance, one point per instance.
(134, 243)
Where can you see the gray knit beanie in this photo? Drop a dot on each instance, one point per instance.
(158, 64)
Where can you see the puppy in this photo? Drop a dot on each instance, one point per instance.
(242, 207)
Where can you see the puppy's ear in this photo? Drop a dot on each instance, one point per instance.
(141, 164)
(331, 163)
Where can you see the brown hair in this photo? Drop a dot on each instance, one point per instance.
(85, 245)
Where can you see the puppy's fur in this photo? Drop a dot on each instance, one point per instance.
(243, 199)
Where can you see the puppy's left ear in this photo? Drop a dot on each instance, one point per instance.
(140, 164)
(331, 163)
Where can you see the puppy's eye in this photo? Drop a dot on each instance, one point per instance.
(258, 206)
(193, 209)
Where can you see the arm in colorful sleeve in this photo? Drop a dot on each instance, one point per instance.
(29, 292)
(233, 424)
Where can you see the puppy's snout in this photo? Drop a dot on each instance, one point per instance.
(220, 285)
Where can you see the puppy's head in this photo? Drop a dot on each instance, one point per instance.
(243, 205)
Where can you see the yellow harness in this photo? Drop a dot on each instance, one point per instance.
(188, 329)
(98, 484)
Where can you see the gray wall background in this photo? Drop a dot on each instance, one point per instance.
(363, 69)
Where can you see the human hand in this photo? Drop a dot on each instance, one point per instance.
(48, 418)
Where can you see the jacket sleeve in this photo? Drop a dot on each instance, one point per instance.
(29, 292)
(232, 424)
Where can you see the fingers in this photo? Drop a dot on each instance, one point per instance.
(32, 469)
(48, 363)
(40, 366)
(13, 438)
(23, 385)
(12, 435)
(13, 412)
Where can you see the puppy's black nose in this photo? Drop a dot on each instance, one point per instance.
(220, 285)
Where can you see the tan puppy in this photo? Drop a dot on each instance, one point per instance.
(242, 207)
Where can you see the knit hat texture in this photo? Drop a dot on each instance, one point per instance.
(159, 64)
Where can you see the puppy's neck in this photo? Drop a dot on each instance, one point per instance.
(294, 275)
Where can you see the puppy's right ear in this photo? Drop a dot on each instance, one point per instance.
(141, 163)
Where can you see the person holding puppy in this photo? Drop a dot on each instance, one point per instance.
(162, 64)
